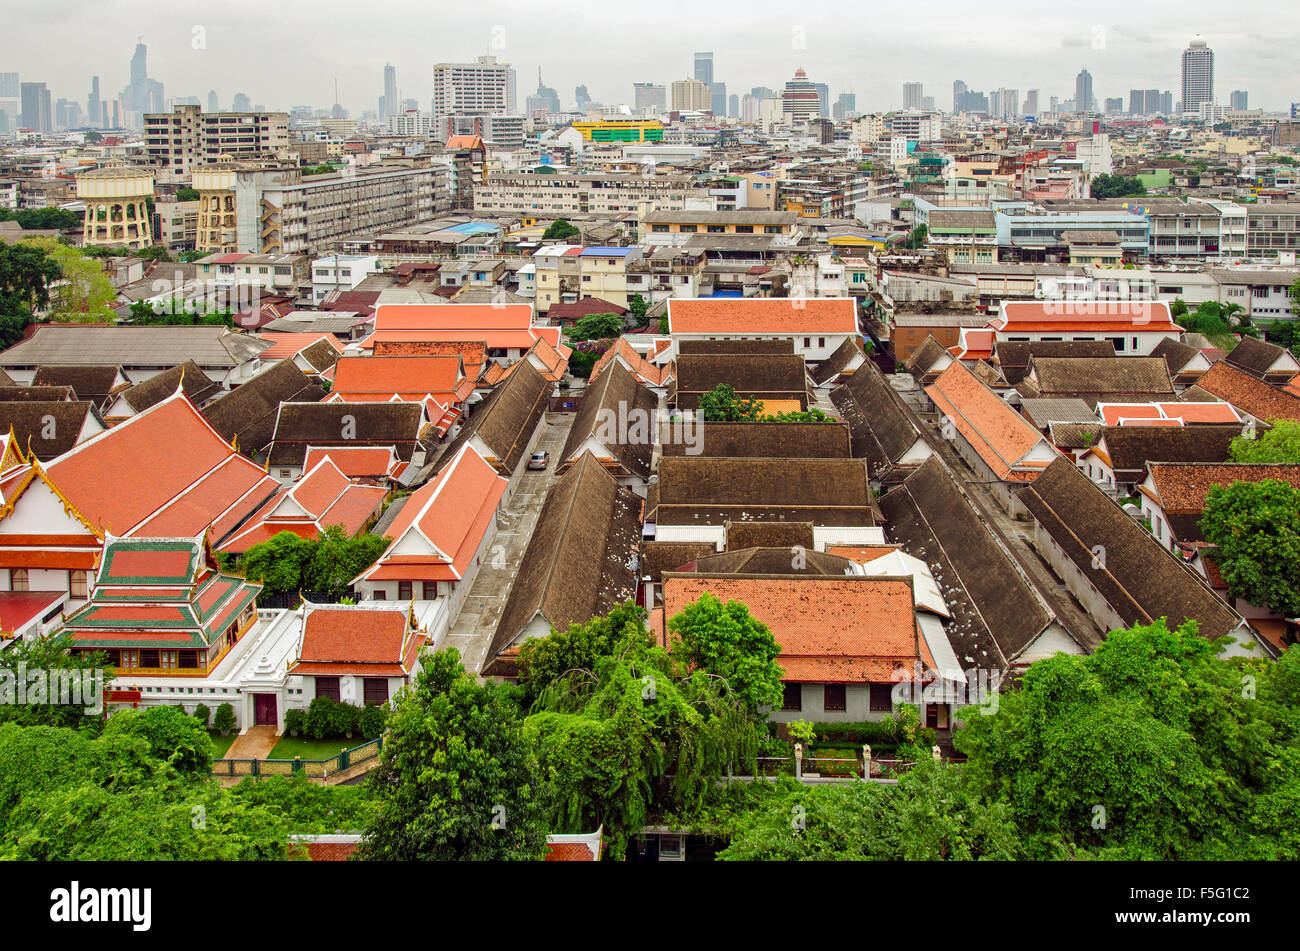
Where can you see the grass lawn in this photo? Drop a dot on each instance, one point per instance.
(290, 746)
(221, 743)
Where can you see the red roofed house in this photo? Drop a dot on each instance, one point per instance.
(437, 381)
(1134, 327)
(440, 537)
(817, 326)
(324, 496)
(356, 653)
(1000, 444)
(1253, 397)
(507, 330)
(574, 847)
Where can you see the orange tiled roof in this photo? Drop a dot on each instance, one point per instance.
(1082, 316)
(769, 315)
(459, 317)
(1183, 486)
(409, 378)
(1000, 435)
(290, 344)
(1259, 399)
(640, 367)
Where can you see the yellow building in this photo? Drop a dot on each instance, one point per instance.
(621, 130)
(217, 225)
(116, 199)
(656, 224)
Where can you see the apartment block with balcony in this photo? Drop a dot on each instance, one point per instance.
(177, 141)
(674, 228)
(1273, 229)
(560, 196)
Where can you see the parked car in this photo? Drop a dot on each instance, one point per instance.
(538, 461)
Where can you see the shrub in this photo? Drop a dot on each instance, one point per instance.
(202, 714)
(319, 722)
(172, 735)
(373, 720)
(295, 721)
(224, 721)
(345, 718)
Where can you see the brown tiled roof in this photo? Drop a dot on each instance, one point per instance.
(583, 308)
(1130, 448)
(881, 426)
(834, 365)
(1012, 356)
(1176, 354)
(1256, 356)
(712, 490)
(996, 614)
(1259, 399)
(1068, 409)
(321, 355)
(31, 421)
(189, 376)
(1137, 576)
(769, 534)
(658, 557)
(1182, 487)
(90, 382)
(781, 560)
(770, 439)
(579, 562)
(248, 413)
(41, 394)
(1074, 435)
(299, 425)
(617, 406)
(506, 419)
(768, 345)
(760, 376)
(1108, 379)
(924, 357)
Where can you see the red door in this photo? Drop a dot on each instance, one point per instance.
(264, 709)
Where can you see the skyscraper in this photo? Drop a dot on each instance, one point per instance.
(823, 99)
(799, 100)
(845, 104)
(704, 68)
(1031, 103)
(389, 105)
(241, 103)
(484, 87)
(1238, 100)
(718, 98)
(545, 99)
(214, 103)
(37, 108)
(581, 97)
(690, 95)
(1198, 75)
(92, 103)
(1083, 91)
(649, 96)
(763, 92)
(142, 94)
(912, 95)
(959, 90)
(733, 106)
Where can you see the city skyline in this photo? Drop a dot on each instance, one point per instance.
(182, 55)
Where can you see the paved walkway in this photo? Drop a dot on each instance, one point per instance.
(471, 632)
(257, 743)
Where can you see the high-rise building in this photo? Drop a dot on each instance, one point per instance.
(718, 98)
(1136, 102)
(92, 103)
(142, 94)
(37, 109)
(690, 95)
(545, 100)
(1166, 103)
(1237, 102)
(845, 105)
(1198, 75)
(1115, 107)
(177, 141)
(763, 92)
(388, 104)
(484, 87)
(649, 96)
(67, 114)
(912, 94)
(959, 90)
(581, 97)
(1083, 91)
(799, 99)
(733, 106)
(823, 99)
(704, 68)
(1031, 103)
(241, 103)
(995, 104)
(750, 108)
(214, 102)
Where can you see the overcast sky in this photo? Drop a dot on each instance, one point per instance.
(288, 52)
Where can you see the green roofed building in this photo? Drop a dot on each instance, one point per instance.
(162, 606)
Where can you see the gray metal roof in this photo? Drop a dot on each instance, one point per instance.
(72, 344)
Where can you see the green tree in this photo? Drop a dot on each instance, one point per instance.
(185, 193)
(456, 780)
(1286, 333)
(1256, 528)
(42, 219)
(1279, 445)
(721, 404)
(1178, 308)
(596, 327)
(26, 273)
(176, 739)
(637, 306)
(559, 230)
(729, 642)
(173, 312)
(278, 563)
(917, 239)
(334, 559)
(83, 293)
(812, 415)
(49, 654)
(1116, 186)
(545, 660)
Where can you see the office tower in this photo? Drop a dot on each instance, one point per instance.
(1238, 100)
(241, 103)
(1166, 100)
(142, 94)
(718, 98)
(750, 108)
(1010, 103)
(1031, 103)
(1198, 75)
(733, 106)
(912, 93)
(545, 100)
(823, 99)
(649, 96)
(214, 103)
(704, 68)
(388, 104)
(37, 109)
(1115, 107)
(959, 90)
(845, 105)
(9, 86)
(995, 104)
(92, 103)
(690, 95)
(1054, 105)
(581, 97)
(763, 92)
(67, 114)
(484, 87)
(799, 99)
(1083, 91)
(1136, 102)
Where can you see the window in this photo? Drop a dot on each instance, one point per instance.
(428, 590)
(380, 595)
(376, 690)
(327, 687)
(807, 343)
(18, 579)
(77, 584)
(688, 229)
(659, 229)
(793, 697)
(833, 697)
(168, 659)
(130, 659)
(882, 698)
(744, 229)
(771, 229)
(717, 229)
(403, 591)
(149, 658)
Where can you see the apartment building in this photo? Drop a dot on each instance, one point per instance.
(273, 273)
(481, 88)
(1273, 229)
(567, 195)
(674, 228)
(567, 273)
(178, 141)
(176, 224)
